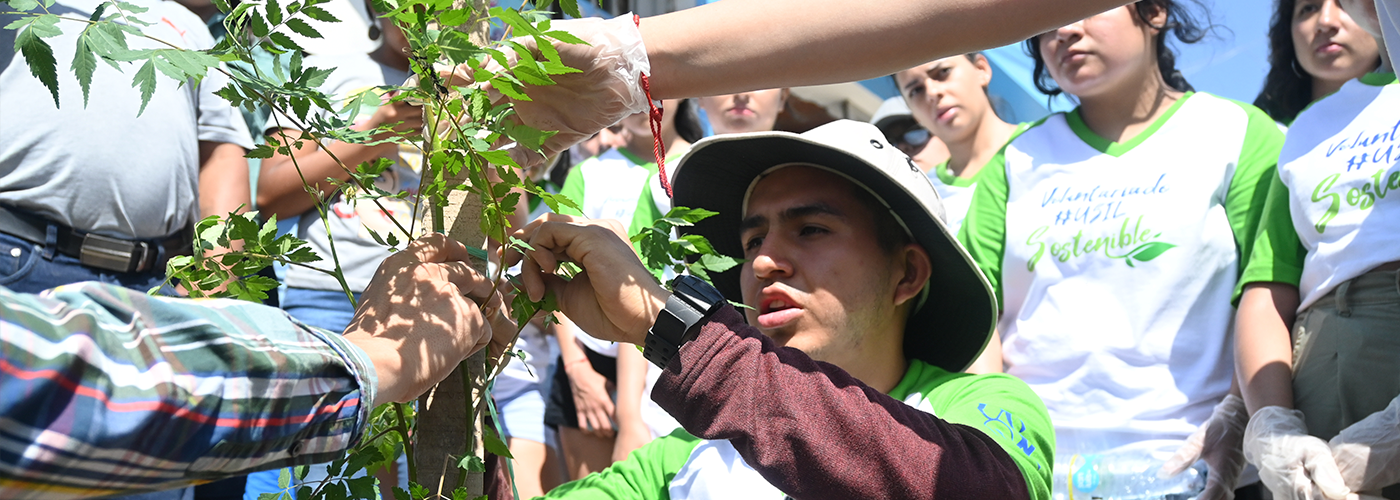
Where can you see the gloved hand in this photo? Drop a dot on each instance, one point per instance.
(607, 88)
(1292, 464)
(1217, 441)
(1368, 451)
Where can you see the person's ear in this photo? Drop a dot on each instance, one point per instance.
(782, 102)
(984, 69)
(1157, 18)
(914, 271)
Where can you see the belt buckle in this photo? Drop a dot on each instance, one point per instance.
(112, 254)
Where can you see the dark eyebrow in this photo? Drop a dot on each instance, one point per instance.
(751, 222)
(812, 209)
(797, 212)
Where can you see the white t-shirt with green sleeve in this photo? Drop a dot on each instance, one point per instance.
(956, 192)
(683, 467)
(1335, 210)
(1116, 264)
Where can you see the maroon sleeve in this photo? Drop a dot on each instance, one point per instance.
(814, 431)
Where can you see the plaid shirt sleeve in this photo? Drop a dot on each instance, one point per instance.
(108, 391)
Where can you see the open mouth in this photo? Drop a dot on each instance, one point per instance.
(777, 311)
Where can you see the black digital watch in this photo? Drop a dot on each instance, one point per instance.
(692, 302)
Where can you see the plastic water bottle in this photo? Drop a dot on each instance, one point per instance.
(1123, 474)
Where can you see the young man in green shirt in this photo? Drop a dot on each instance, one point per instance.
(846, 262)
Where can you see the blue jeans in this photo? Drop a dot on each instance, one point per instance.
(28, 267)
(330, 310)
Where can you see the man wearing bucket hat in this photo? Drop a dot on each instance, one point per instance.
(863, 311)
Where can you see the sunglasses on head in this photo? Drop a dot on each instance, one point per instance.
(911, 134)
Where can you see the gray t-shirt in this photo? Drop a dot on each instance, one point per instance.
(102, 168)
(351, 217)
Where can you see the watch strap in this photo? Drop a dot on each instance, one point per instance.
(691, 302)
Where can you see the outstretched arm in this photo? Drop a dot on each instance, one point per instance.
(735, 46)
(110, 391)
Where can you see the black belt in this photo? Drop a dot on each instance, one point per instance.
(95, 250)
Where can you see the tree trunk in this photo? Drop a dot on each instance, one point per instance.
(448, 425)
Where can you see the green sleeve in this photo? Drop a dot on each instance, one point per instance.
(1007, 410)
(573, 189)
(1249, 188)
(983, 231)
(646, 473)
(1278, 252)
(646, 212)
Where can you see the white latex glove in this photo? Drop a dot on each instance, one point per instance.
(607, 89)
(1368, 451)
(1218, 442)
(1292, 464)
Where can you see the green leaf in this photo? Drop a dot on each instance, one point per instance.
(39, 54)
(316, 76)
(532, 74)
(169, 69)
(526, 135)
(565, 37)
(363, 487)
(145, 79)
(274, 12)
(132, 8)
(570, 8)
(472, 464)
(455, 17)
(84, 64)
(262, 151)
(301, 27)
(109, 42)
(419, 491)
(1148, 251)
(284, 41)
(401, 494)
(284, 479)
(698, 244)
(509, 87)
(717, 263)
(23, 5)
(193, 63)
(691, 215)
(97, 13)
(301, 106)
(259, 26)
(458, 47)
(319, 14)
(512, 18)
(295, 66)
(494, 444)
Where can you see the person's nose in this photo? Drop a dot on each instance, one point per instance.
(1070, 33)
(1328, 17)
(770, 263)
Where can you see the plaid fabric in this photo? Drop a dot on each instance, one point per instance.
(108, 391)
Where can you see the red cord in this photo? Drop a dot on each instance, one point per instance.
(656, 115)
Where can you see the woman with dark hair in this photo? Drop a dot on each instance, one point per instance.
(1318, 329)
(1314, 47)
(1112, 235)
